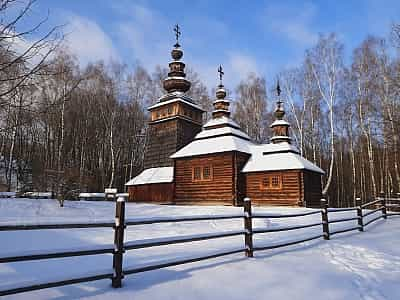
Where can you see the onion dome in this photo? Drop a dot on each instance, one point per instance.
(176, 81)
(221, 105)
(280, 127)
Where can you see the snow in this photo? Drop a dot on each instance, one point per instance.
(220, 131)
(220, 110)
(153, 175)
(159, 104)
(281, 137)
(7, 194)
(280, 123)
(39, 194)
(92, 195)
(221, 101)
(214, 145)
(352, 265)
(221, 121)
(269, 157)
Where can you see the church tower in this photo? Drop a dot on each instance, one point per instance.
(176, 118)
(280, 127)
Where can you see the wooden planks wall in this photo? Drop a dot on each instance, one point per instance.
(220, 190)
(289, 195)
(240, 160)
(312, 188)
(156, 193)
(165, 138)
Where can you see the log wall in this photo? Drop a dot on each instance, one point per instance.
(312, 189)
(155, 193)
(165, 138)
(289, 195)
(222, 189)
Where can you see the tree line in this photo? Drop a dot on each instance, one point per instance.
(69, 128)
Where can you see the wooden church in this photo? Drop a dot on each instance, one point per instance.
(187, 162)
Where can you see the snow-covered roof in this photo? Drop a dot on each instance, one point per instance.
(153, 175)
(180, 99)
(221, 100)
(274, 148)
(275, 157)
(280, 122)
(221, 121)
(221, 131)
(214, 145)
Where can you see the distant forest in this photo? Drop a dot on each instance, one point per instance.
(68, 128)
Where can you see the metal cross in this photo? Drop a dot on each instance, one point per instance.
(177, 32)
(221, 73)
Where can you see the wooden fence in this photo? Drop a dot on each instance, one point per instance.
(119, 247)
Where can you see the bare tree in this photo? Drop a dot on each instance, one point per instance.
(251, 107)
(327, 67)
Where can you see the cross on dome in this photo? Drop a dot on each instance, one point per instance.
(221, 73)
(278, 88)
(177, 34)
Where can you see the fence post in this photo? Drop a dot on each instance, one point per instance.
(324, 214)
(118, 242)
(383, 204)
(359, 215)
(248, 226)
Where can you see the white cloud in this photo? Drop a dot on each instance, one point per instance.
(241, 65)
(88, 41)
(292, 22)
(143, 32)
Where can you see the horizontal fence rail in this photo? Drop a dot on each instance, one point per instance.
(371, 203)
(345, 230)
(335, 209)
(39, 286)
(119, 247)
(146, 221)
(287, 243)
(179, 239)
(271, 216)
(342, 220)
(288, 228)
(128, 271)
(55, 226)
(58, 254)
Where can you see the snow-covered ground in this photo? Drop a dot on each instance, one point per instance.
(350, 266)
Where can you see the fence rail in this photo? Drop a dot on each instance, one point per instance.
(119, 247)
(55, 226)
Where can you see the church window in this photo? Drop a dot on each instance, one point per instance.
(202, 173)
(265, 182)
(196, 173)
(271, 182)
(206, 172)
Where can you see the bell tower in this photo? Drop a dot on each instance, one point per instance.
(280, 127)
(175, 119)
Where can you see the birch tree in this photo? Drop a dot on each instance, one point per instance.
(327, 65)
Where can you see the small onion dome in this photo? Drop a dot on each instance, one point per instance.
(176, 84)
(177, 53)
(279, 113)
(220, 92)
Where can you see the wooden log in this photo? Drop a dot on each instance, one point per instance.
(248, 227)
(359, 215)
(383, 204)
(325, 221)
(118, 242)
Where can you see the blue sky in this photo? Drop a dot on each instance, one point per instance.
(244, 36)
